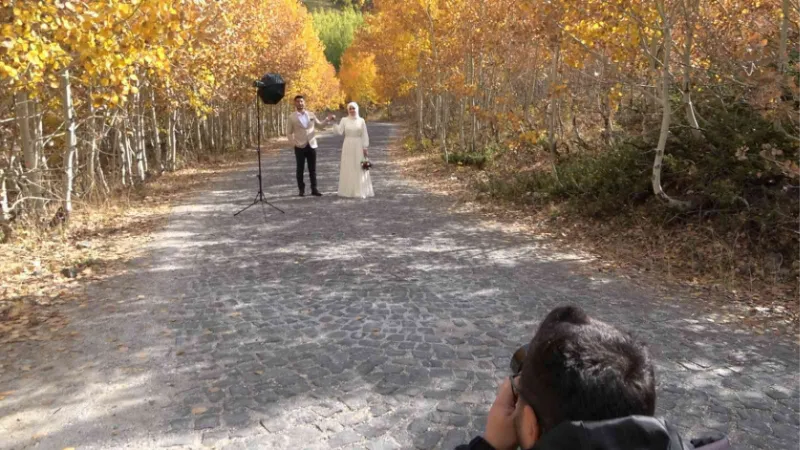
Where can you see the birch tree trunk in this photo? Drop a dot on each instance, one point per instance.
(71, 141)
(443, 128)
(92, 159)
(690, 11)
(553, 118)
(35, 112)
(210, 132)
(138, 136)
(142, 127)
(554, 82)
(139, 144)
(129, 154)
(30, 156)
(170, 140)
(187, 128)
(123, 163)
(666, 112)
(98, 164)
(173, 157)
(156, 133)
(4, 209)
(199, 134)
(783, 53)
(473, 117)
(420, 113)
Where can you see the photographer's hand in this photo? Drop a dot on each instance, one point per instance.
(500, 431)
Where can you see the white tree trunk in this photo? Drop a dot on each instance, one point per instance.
(690, 8)
(142, 129)
(156, 135)
(136, 142)
(210, 132)
(443, 129)
(173, 157)
(783, 53)
(97, 163)
(30, 156)
(139, 155)
(92, 148)
(554, 82)
(420, 112)
(6, 212)
(170, 140)
(123, 156)
(71, 141)
(199, 133)
(666, 113)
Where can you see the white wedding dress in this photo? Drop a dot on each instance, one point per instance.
(353, 180)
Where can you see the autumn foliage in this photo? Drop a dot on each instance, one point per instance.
(688, 108)
(99, 94)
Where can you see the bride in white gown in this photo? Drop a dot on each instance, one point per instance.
(353, 180)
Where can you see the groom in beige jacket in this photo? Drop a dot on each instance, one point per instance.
(302, 135)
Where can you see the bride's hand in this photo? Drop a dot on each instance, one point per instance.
(365, 153)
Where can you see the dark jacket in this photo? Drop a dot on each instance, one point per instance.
(634, 432)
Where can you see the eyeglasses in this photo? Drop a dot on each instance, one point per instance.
(516, 371)
(514, 388)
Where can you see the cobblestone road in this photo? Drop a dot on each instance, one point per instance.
(384, 323)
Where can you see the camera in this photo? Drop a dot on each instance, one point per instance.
(517, 358)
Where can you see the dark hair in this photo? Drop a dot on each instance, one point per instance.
(296, 97)
(582, 369)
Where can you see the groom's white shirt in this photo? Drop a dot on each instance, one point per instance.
(303, 116)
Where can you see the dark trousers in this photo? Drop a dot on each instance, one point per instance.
(303, 154)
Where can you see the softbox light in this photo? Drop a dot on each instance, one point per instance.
(271, 88)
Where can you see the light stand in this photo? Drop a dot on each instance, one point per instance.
(260, 195)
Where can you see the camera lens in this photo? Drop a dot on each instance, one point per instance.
(517, 358)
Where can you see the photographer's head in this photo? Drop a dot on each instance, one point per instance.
(580, 369)
(299, 103)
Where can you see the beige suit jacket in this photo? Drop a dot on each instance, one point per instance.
(299, 135)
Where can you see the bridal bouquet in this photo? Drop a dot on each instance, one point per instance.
(365, 164)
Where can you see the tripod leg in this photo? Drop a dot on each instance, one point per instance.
(247, 207)
(270, 204)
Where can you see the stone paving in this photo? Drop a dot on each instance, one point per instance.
(379, 324)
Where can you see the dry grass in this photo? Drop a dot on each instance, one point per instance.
(43, 267)
(648, 255)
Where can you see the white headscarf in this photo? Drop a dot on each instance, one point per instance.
(354, 105)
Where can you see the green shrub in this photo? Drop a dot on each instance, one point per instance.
(477, 159)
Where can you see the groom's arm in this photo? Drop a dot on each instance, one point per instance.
(290, 132)
(322, 124)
